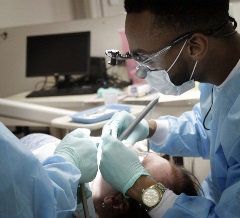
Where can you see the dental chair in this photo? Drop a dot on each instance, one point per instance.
(30, 112)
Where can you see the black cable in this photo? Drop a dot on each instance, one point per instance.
(208, 111)
(45, 82)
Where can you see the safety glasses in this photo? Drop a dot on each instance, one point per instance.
(154, 61)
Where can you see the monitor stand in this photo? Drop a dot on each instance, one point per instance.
(65, 83)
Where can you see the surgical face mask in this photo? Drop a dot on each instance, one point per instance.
(160, 80)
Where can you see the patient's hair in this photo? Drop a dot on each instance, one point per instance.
(184, 182)
(183, 15)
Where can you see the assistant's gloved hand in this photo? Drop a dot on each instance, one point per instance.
(120, 121)
(81, 150)
(120, 165)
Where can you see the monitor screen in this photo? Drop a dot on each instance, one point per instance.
(61, 54)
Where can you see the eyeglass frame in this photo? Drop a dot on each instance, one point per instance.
(143, 68)
(160, 51)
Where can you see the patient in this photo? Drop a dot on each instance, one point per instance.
(111, 203)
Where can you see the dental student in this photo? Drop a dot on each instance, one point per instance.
(175, 43)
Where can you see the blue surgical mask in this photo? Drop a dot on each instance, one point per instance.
(160, 80)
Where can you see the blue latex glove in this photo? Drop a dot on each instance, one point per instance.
(81, 150)
(120, 121)
(120, 165)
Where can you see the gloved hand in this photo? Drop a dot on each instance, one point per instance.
(120, 121)
(81, 150)
(120, 165)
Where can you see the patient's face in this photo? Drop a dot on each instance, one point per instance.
(102, 193)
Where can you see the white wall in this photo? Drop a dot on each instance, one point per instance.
(104, 35)
(27, 12)
(112, 7)
(235, 11)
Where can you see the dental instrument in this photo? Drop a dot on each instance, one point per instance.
(84, 201)
(139, 118)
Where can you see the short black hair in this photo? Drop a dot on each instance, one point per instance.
(183, 15)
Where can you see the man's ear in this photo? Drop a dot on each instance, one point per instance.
(197, 46)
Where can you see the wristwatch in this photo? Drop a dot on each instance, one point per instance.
(152, 196)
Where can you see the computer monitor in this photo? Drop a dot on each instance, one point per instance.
(98, 70)
(58, 54)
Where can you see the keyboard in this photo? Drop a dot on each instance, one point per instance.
(89, 89)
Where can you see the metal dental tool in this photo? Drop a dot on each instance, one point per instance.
(139, 118)
(84, 201)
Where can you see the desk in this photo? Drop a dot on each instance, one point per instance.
(78, 102)
(167, 105)
(82, 102)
